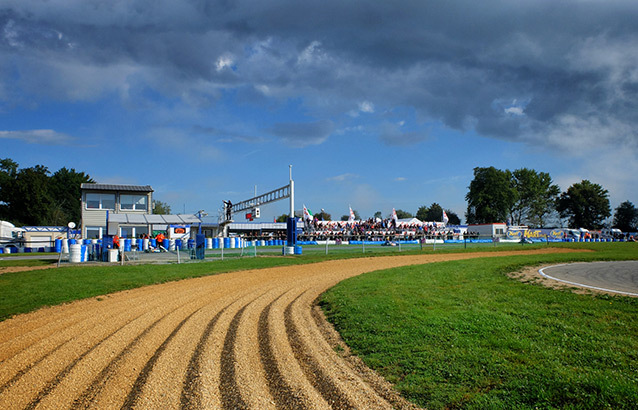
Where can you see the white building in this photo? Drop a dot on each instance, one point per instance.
(98, 200)
(489, 230)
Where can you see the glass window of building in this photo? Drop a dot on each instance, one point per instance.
(94, 232)
(100, 201)
(133, 202)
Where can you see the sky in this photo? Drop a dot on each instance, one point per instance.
(376, 105)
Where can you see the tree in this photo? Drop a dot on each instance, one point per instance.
(8, 172)
(66, 192)
(535, 197)
(161, 208)
(422, 213)
(435, 213)
(357, 217)
(401, 214)
(585, 204)
(30, 196)
(378, 215)
(282, 218)
(31, 200)
(626, 217)
(490, 196)
(323, 216)
(453, 218)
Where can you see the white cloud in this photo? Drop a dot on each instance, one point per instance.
(514, 110)
(44, 137)
(311, 54)
(343, 177)
(366, 106)
(223, 62)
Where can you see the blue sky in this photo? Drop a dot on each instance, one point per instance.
(377, 106)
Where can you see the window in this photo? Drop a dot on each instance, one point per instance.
(134, 202)
(94, 232)
(100, 201)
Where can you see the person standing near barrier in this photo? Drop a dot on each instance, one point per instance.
(160, 239)
(116, 242)
(229, 209)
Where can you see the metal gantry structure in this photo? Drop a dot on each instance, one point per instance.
(287, 191)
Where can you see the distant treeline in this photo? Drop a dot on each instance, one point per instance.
(35, 197)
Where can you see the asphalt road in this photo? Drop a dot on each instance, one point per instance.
(620, 277)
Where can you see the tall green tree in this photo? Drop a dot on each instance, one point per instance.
(535, 197)
(401, 214)
(626, 217)
(66, 193)
(323, 216)
(32, 196)
(31, 200)
(453, 217)
(422, 213)
(586, 204)
(435, 213)
(8, 173)
(490, 196)
(161, 208)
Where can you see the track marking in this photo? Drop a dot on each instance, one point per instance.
(541, 271)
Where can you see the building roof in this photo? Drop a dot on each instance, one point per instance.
(114, 187)
(144, 219)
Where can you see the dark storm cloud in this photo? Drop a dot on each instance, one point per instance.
(301, 134)
(539, 71)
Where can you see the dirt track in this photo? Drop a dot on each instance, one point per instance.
(239, 340)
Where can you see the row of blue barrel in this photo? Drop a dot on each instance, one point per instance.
(179, 243)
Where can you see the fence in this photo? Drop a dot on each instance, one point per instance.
(145, 251)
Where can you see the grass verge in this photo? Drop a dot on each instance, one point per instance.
(464, 335)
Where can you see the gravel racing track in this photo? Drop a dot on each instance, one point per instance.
(251, 339)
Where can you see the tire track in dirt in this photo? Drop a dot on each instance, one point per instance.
(240, 340)
(230, 395)
(311, 367)
(284, 395)
(192, 385)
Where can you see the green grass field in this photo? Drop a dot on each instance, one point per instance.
(464, 335)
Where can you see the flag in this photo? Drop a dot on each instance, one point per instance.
(307, 215)
(394, 216)
(351, 218)
(445, 218)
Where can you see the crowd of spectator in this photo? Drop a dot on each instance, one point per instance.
(375, 230)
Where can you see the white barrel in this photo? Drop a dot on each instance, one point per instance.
(113, 255)
(262, 243)
(145, 244)
(232, 243)
(65, 246)
(289, 250)
(75, 253)
(171, 244)
(209, 243)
